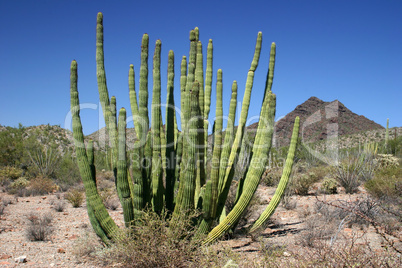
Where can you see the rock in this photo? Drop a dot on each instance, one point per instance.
(5, 256)
(21, 259)
(61, 250)
(286, 254)
(43, 197)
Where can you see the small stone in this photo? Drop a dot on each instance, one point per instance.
(27, 201)
(286, 254)
(61, 250)
(65, 213)
(5, 256)
(73, 237)
(43, 197)
(21, 259)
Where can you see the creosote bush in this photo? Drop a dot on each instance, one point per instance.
(42, 185)
(156, 242)
(39, 227)
(74, 197)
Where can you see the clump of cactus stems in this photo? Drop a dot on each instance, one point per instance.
(167, 169)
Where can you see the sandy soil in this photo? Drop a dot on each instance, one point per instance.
(71, 228)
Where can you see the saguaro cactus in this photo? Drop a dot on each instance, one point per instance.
(186, 185)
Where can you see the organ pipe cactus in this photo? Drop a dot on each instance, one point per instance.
(167, 168)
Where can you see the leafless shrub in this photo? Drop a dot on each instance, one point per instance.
(2, 207)
(156, 242)
(351, 252)
(39, 228)
(6, 201)
(112, 203)
(59, 206)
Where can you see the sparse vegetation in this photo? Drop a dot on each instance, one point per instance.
(39, 227)
(75, 197)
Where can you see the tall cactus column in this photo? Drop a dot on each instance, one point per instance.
(106, 225)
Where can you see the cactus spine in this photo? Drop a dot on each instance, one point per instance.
(181, 158)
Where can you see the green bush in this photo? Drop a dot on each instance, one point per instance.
(271, 177)
(11, 146)
(387, 183)
(75, 197)
(303, 182)
(67, 174)
(41, 186)
(10, 172)
(156, 242)
(329, 186)
(19, 183)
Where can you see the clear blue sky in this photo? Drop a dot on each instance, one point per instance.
(345, 50)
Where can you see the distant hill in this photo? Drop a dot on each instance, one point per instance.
(320, 120)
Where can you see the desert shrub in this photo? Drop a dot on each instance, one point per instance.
(59, 206)
(386, 161)
(112, 203)
(329, 186)
(352, 169)
(156, 242)
(271, 177)
(105, 175)
(11, 146)
(75, 197)
(39, 227)
(6, 201)
(302, 183)
(12, 173)
(2, 207)
(20, 183)
(387, 183)
(67, 173)
(346, 253)
(317, 228)
(41, 186)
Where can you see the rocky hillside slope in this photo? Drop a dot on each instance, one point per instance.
(320, 120)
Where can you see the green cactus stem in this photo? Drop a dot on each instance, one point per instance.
(273, 204)
(106, 224)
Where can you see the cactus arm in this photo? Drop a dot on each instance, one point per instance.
(122, 178)
(208, 81)
(240, 129)
(146, 170)
(170, 127)
(199, 75)
(273, 204)
(143, 92)
(216, 156)
(100, 69)
(106, 223)
(133, 100)
(257, 166)
(157, 183)
(228, 141)
(188, 188)
(94, 222)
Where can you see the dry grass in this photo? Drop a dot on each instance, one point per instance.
(39, 227)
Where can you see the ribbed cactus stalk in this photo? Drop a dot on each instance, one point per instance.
(170, 155)
(273, 204)
(167, 169)
(157, 183)
(100, 218)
